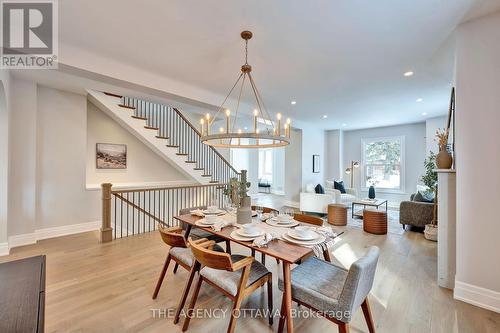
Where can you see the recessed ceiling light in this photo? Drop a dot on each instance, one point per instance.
(344, 124)
(293, 102)
(424, 113)
(419, 100)
(409, 73)
(325, 116)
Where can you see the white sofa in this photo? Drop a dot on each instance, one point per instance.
(312, 202)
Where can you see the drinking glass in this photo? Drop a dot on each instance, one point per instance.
(259, 210)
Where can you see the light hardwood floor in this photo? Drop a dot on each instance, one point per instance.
(94, 287)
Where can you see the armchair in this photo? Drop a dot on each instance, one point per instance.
(415, 213)
(344, 198)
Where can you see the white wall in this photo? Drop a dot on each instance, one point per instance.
(414, 156)
(143, 165)
(334, 145)
(293, 167)
(478, 160)
(431, 125)
(313, 143)
(4, 156)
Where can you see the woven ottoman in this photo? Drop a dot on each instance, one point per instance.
(375, 221)
(337, 214)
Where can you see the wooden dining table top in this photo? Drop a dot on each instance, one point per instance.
(276, 248)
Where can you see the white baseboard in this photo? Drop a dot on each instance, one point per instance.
(478, 296)
(39, 234)
(4, 249)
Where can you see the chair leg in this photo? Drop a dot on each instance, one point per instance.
(270, 299)
(228, 246)
(263, 259)
(162, 276)
(192, 304)
(281, 323)
(368, 315)
(176, 267)
(344, 328)
(236, 308)
(404, 227)
(187, 287)
(253, 252)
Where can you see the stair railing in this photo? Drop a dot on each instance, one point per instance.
(131, 212)
(171, 124)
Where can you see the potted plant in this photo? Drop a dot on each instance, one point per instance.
(237, 191)
(430, 180)
(444, 160)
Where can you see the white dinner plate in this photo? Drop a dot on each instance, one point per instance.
(278, 221)
(287, 225)
(293, 233)
(236, 236)
(242, 233)
(290, 239)
(217, 212)
(203, 223)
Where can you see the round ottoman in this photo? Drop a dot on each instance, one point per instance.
(337, 214)
(375, 221)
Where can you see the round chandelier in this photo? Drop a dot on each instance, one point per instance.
(266, 133)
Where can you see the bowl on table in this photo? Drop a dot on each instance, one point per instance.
(210, 219)
(303, 232)
(250, 230)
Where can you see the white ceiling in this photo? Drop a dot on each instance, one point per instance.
(342, 58)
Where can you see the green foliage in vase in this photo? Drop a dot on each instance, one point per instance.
(430, 177)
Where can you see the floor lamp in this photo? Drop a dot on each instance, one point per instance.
(350, 171)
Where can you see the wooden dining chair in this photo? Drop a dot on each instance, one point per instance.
(265, 210)
(236, 276)
(197, 233)
(332, 291)
(316, 221)
(179, 252)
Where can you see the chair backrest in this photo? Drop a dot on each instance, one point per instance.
(172, 238)
(210, 258)
(185, 211)
(266, 210)
(359, 281)
(308, 219)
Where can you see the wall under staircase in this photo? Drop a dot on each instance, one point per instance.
(166, 131)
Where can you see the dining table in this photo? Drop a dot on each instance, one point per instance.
(287, 252)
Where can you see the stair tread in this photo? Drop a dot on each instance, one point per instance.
(190, 161)
(161, 137)
(151, 128)
(139, 117)
(206, 175)
(173, 146)
(213, 181)
(181, 154)
(111, 94)
(126, 106)
(198, 169)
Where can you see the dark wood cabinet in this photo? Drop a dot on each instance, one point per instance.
(22, 295)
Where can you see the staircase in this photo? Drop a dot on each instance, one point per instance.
(167, 132)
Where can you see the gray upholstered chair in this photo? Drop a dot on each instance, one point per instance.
(336, 293)
(415, 213)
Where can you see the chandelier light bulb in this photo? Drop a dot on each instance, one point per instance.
(288, 121)
(228, 113)
(221, 129)
(202, 121)
(207, 116)
(278, 116)
(255, 112)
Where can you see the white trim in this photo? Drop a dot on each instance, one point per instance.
(402, 180)
(4, 249)
(131, 186)
(39, 234)
(478, 296)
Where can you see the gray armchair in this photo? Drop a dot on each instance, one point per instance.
(336, 293)
(415, 213)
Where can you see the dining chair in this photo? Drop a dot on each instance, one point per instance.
(316, 221)
(179, 252)
(265, 210)
(197, 233)
(235, 276)
(333, 291)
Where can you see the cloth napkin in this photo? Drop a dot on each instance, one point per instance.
(264, 240)
(330, 236)
(217, 226)
(197, 212)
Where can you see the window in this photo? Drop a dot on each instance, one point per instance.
(383, 163)
(266, 165)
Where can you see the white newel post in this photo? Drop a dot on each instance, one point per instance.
(447, 230)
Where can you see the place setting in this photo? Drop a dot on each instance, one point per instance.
(282, 220)
(247, 232)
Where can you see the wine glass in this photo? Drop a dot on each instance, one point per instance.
(259, 210)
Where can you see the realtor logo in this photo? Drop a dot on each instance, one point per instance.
(29, 34)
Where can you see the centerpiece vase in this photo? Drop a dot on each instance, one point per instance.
(244, 213)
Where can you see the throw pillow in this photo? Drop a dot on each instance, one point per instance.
(339, 186)
(330, 184)
(427, 196)
(319, 189)
(418, 197)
